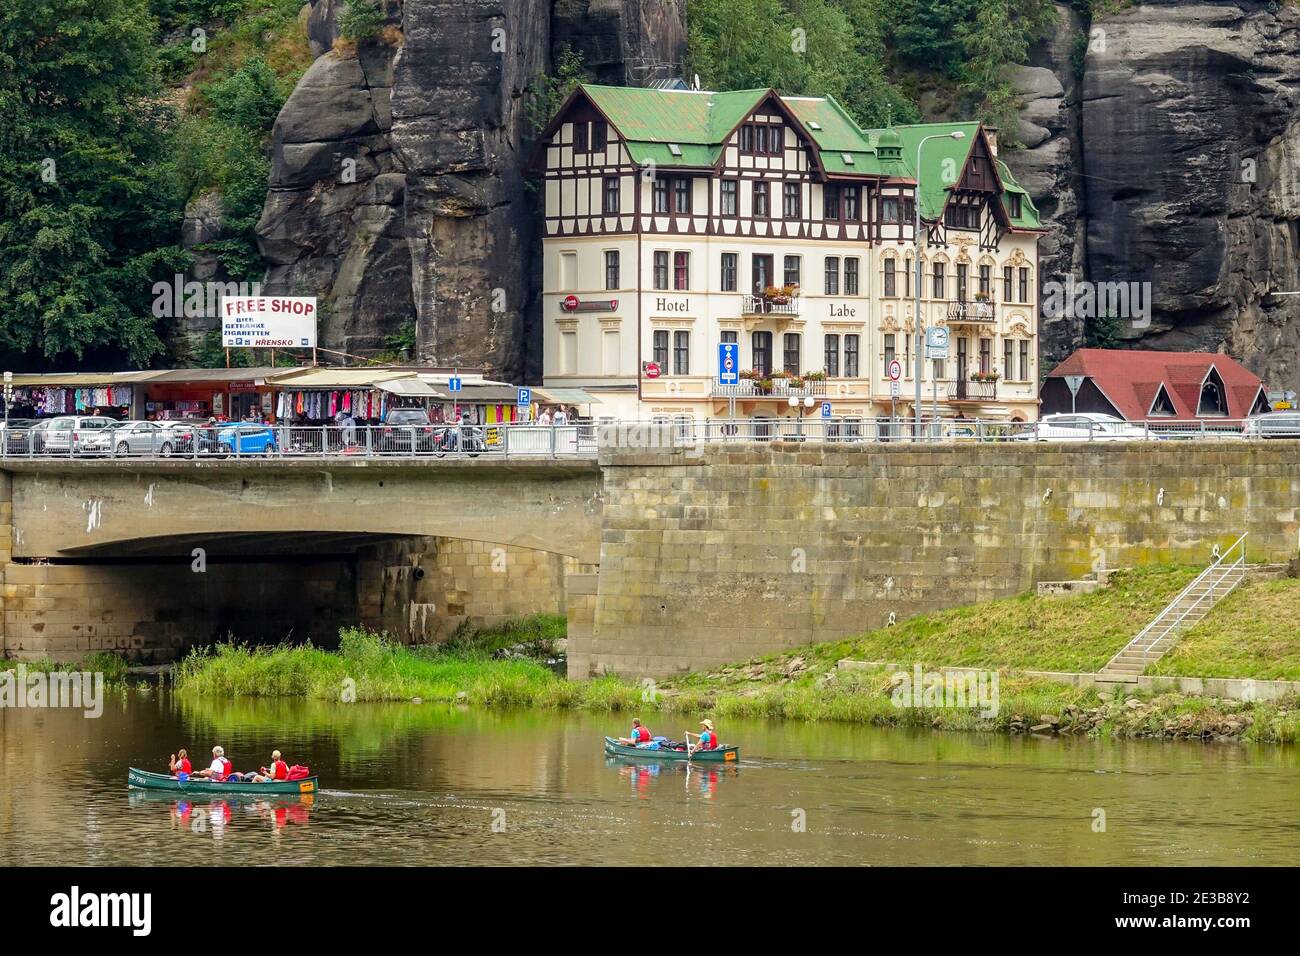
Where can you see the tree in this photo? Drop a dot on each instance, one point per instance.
(86, 202)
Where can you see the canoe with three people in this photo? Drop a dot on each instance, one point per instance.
(221, 777)
(641, 743)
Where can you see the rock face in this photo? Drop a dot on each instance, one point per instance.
(397, 192)
(1191, 163)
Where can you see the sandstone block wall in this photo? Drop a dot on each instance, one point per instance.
(715, 555)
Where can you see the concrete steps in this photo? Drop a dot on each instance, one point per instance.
(1085, 585)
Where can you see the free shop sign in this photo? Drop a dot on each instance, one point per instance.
(268, 321)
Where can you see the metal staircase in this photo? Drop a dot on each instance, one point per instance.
(1192, 604)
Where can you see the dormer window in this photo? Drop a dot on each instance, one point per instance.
(1214, 397)
(1162, 406)
(674, 149)
(1013, 205)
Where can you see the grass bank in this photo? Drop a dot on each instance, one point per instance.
(1074, 633)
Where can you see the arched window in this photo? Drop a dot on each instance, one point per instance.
(1214, 401)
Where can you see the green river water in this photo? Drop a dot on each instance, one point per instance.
(427, 784)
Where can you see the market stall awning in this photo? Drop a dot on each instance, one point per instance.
(566, 396)
(336, 378)
(486, 394)
(82, 379)
(412, 388)
(219, 376)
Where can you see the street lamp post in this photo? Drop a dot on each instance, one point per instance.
(916, 310)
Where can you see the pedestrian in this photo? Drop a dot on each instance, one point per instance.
(561, 417)
(545, 417)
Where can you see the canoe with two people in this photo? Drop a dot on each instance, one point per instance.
(641, 743)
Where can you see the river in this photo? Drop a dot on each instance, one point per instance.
(428, 784)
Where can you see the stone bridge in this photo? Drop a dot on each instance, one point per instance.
(663, 560)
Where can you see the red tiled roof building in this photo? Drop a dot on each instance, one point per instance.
(1138, 386)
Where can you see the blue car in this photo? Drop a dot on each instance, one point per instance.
(246, 439)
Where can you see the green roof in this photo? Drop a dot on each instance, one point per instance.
(653, 123)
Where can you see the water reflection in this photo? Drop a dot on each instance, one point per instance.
(423, 784)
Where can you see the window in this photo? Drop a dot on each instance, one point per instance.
(891, 282)
(1212, 396)
(568, 270)
(775, 139)
(792, 270)
(579, 137)
(962, 216)
(728, 197)
(790, 200)
(682, 352)
(681, 270)
(760, 203)
(909, 210)
(729, 260)
(889, 209)
(851, 356)
(611, 269)
(1006, 284)
(609, 354)
(986, 279)
(1013, 205)
(611, 194)
(1024, 285)
(849, 198)
(962, 269)
(832, 275)
(907, 276)
(681, 195)
(568, 351)
(661, 270)
(962, 357)
(761, 347)
(791, 355)
(1024, 361)
(940, 283)
(891, 351)
(1008, 355)
(851, 275)
(986, 355)
(599, 136)
(830, 202)
(832, 356)
(661, 349)
(730, 335)
(747, 138)
(661, 195)
(762, 271)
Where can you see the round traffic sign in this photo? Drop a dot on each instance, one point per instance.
(895, 370)
(651, 370)
(570, 303)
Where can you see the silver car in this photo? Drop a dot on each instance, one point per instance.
(125, 439)
(1272, 425)
(66, 434)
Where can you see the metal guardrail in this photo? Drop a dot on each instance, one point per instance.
(1205, 587)
(582, 438)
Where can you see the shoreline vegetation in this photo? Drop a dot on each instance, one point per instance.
(513, 665)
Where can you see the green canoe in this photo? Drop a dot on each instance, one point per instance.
(721, 755)
(144, 780)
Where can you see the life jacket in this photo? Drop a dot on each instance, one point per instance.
(279, 770)
(227, 768)
(641, 735)
(185, 765)
(712, 739)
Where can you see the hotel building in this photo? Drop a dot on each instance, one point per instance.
(678, 220)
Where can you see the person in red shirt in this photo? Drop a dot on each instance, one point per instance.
(179, 768)
(279, 770)
(639, 735)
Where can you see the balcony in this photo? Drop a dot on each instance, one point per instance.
(751, 305)
(978, 311)
(964, 391)
(774, 388)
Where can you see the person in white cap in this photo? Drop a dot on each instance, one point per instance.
(708, 738)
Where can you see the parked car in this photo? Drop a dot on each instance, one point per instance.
(64, 435)
(1272, 425)
(405, 428)
(1088, 426)
(246, 438)
(17, 435)
(133, 438)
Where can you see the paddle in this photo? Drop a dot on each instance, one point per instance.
(689, 749)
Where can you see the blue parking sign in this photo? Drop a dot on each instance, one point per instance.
(525, 398)
(826, 409)
(728, 363)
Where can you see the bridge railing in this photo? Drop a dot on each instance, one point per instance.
(585, 437)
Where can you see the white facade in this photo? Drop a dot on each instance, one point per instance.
(653, 280)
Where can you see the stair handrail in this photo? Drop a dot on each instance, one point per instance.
(1146, 651)
(1241, 557)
